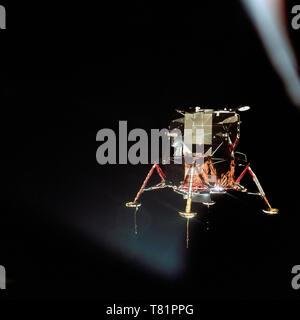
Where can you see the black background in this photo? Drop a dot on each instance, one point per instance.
(67, 72)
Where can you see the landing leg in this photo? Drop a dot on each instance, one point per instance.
(188, 214)
(134, 203)
(269, 210)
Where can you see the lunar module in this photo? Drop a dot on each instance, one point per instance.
(206, 141)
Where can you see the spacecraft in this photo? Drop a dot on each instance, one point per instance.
(206, 141)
